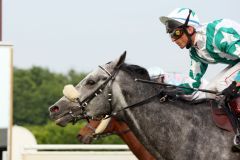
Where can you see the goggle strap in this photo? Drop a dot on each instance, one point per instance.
(188, 17)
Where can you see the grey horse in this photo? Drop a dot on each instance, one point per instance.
(170, 130)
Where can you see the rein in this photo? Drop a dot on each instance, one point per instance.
(100, 89)
(162, 99)
(133, 105)
(171, 85)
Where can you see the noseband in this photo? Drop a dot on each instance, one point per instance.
(83, 104)
(96, 136)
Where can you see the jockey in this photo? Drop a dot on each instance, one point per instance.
(214, 42)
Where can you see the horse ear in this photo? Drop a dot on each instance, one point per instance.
(118, 62)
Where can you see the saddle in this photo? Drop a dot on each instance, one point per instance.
(220, 118)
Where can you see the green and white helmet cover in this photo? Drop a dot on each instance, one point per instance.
(180, 15)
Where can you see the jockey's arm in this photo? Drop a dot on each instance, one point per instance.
(197, 70)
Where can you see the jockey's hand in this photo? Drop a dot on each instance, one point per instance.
(174, 92)
(231, 91)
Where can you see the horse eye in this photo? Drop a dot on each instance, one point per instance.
(90, 82)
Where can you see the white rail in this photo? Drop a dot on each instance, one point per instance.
(77, 147)
(77, 152)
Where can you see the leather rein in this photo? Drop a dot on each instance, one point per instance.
(108, 82)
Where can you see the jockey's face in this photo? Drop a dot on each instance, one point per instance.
(181, 42)
(182, 39)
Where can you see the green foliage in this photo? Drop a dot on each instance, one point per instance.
(53, 134)
(36, 89)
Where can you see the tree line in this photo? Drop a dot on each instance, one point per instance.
(37, 88)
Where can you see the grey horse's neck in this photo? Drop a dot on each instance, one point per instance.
(171, 128)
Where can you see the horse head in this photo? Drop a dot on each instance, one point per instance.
(94, 128)
(94, 94)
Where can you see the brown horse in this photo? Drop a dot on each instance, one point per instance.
(114, 126)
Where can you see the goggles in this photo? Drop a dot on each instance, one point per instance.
(175, 28)
(176, 33)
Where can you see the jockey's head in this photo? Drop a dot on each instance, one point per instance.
(181, 24)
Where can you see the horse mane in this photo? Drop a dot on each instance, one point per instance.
(135, 71)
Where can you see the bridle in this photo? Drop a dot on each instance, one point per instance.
(108, 82)
(83, 104)
(105, 134)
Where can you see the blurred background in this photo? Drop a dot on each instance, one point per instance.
(35, 89)
(57, 42)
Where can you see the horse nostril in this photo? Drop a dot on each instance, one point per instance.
(54, 109)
